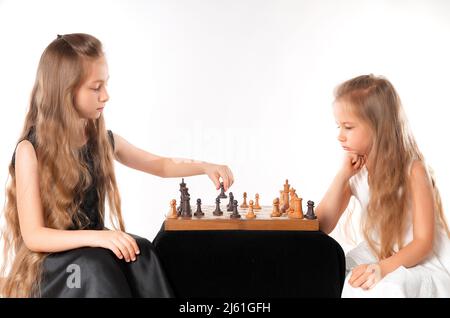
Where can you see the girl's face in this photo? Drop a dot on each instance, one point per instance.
(355, 136)
(92, 95)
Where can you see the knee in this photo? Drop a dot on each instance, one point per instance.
(96, 260)
(145, 246)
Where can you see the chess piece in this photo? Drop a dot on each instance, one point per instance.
(199, 213)
(276, 208)
(184, 210)
(235, 214)
(173, 210)
(244, 204)
(293, 196)
(250, 214)
(257, 206)
(217, 211)
(285, 195)
(298, 213)
(230, 203)
(310, 213)
(222, 194)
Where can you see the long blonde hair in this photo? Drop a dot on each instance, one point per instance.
(374, 100)
(63, 173)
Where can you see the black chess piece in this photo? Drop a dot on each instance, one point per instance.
(235, 214)
(230, 203)
(222, 194)
(199, 213)
(310, 213)
(217, 211)
(183, 191)
(186, 211)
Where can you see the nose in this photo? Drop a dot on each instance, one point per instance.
(341, 136)
(104, 97)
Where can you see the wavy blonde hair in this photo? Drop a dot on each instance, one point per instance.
(63, 173)
(374, 100)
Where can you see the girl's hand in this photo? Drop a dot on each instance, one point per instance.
(352, 164)
(366, 276)
(121, 243)
(215, 172)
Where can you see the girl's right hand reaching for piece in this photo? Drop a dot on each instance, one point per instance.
(120, 243)
(352, 164)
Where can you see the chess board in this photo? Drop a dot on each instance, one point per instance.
(263, 221)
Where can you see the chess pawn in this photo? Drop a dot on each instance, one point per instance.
(244, 204)
(276, 208)
(257, 206)
(250, 214)
(222, 194)
(298, 213)
(235, 214)
(173, 210)
(217, 211)
(230, 203)
(310, 213)
(199, 213)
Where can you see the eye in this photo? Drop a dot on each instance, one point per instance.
(96, 89)
(348, 128)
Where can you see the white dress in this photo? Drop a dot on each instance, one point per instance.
(431, 278)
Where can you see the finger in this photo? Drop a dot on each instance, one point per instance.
(356, 273)
(361, 280)
(122, 249)
(216, 180)
(129, 248)
(359, 269)
(227, 181)
(133, 243)
(358, 163)
(115, 250)
(353, 158)
(369, 282)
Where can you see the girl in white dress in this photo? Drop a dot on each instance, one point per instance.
(406, 247)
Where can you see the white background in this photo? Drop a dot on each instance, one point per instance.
(244, 83)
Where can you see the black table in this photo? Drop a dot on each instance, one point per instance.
(251, 263)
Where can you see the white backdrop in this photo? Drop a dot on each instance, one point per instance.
(245, 83)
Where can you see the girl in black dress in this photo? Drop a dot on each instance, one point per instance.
(55, 240)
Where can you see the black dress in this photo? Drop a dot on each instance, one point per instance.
(95, 271)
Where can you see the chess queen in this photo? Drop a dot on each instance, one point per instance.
(405, 250)
(61, 173)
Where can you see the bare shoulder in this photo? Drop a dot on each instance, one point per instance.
(419, 172)
(420, 180)
(25, 155)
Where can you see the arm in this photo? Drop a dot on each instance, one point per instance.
(423, 223)
(423, 233)
(339, 193)
(136, 158)
(333, 203)
(39, 238)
